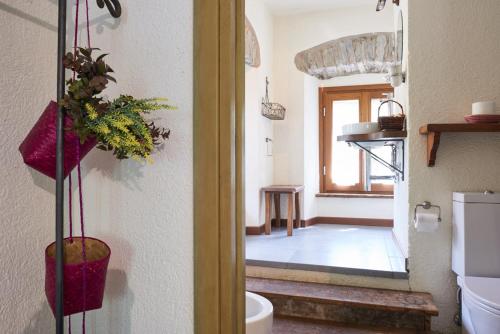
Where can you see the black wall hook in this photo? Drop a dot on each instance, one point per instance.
(114, 7)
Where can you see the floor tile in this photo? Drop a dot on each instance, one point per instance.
(397, 263)
(268, 253)
(328, 246)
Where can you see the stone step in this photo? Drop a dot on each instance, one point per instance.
(289, 325)
(328, 278)
(345, 304)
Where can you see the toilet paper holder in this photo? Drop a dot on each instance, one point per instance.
(426, 205)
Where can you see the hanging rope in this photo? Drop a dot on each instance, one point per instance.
(84, 252)
(79, 173)
(88, 22)
(70, 185)
(70, 204)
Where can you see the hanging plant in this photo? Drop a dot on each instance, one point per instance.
(119, 125)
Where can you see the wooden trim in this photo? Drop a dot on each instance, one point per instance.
(459, 127)
(328, 138)
(256, 230)
(218, 167)
(350, 221)
(206, 208)
(321, 126)
(259, 230)
(354, 195)
(240, 167)
(358, 88)
(364, 94)
(433, 132)
(227, 167)
(433, 140)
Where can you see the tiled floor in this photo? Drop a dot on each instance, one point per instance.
(346, 249)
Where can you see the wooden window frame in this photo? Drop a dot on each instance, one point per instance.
(326, 96)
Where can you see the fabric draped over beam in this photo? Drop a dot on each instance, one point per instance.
(366, 53)
(252, 48)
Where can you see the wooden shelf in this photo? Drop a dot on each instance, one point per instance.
(376, 136)
(433, 132)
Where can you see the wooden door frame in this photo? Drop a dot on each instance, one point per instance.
(219, 280)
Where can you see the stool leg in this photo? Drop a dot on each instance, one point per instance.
(289, 223)
(267, 226)
(297, 210)
(277, 209)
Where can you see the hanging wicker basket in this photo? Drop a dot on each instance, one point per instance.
(272, 110)
(84, 281)
(392, 122)
(39, 147)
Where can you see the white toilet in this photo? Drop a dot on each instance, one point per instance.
(476, 259)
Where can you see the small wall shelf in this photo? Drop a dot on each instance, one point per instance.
(433, 132)
(395, 139)
(376, 136)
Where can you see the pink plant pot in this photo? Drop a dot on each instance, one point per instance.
(84, 282)
(39, 147)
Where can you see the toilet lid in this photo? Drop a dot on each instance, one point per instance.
(485, 290)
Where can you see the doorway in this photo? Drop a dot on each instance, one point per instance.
(346, 202)
(219, 124)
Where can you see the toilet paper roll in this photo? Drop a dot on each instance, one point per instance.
(426, 221)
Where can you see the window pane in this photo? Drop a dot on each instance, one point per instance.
(345, 159)
(377, 169)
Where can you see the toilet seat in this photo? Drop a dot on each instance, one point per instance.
(483, 292)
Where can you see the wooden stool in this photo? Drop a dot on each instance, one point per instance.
(292, 192)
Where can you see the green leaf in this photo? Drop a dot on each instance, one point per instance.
(101, 67)
(101, 57)
(109, 77)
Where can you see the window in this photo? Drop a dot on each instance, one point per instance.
(345, 169)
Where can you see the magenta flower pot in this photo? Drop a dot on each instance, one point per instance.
(39, 147)
(84, 282)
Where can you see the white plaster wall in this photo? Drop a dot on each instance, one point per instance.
(143, 212)
(378, 208)
(258, 165)
(311, 145)
(453, 61)
(296, 151)
(27, 83)
(401, 205)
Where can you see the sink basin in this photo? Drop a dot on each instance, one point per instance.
(360, 128)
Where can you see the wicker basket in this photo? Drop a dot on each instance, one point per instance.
(271, 110)
(84, 277)
(392, 122)
(38, 149)
(274, 111)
